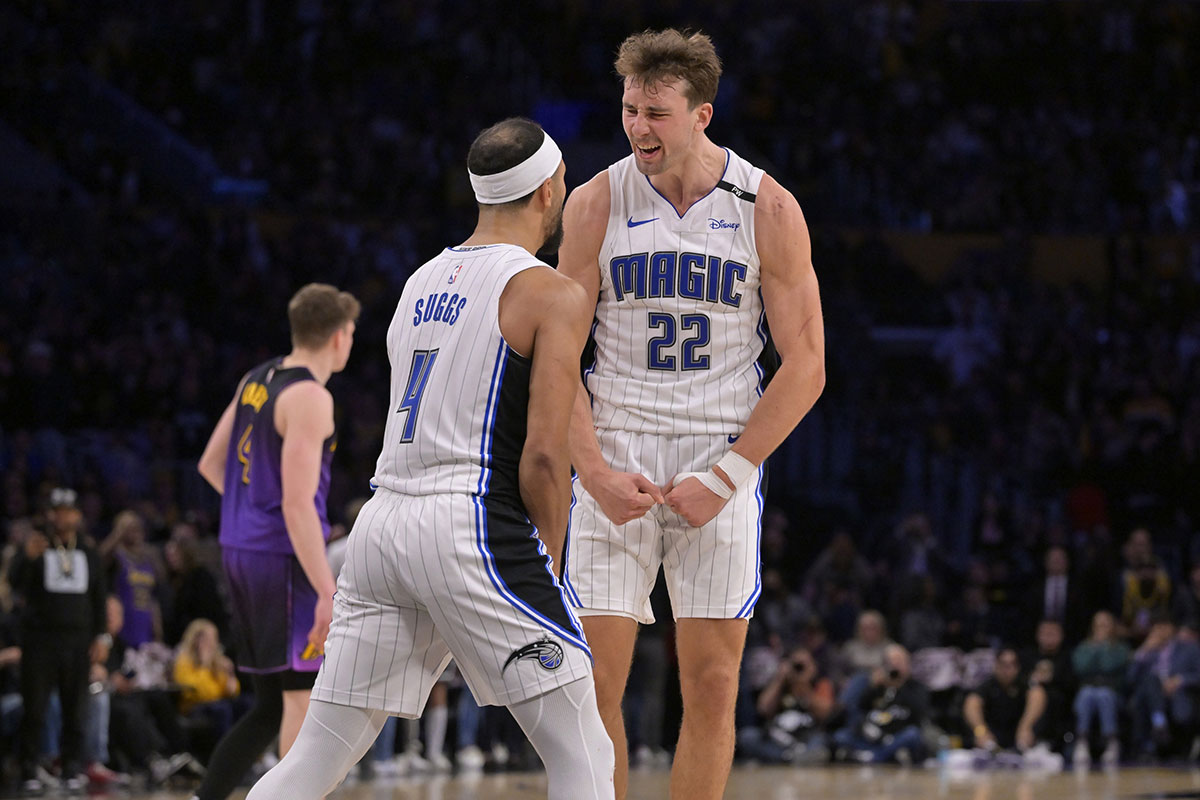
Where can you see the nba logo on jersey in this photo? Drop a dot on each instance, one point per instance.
(454, 275)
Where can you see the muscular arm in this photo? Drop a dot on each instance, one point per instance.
(212, 462)
(622, 496)
(304, 418)
(585, 218)
(792, 301)
(793, 304)
(546, 314)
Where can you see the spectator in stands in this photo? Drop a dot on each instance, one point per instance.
(206, 676)
(922, 622)
(865, 652)
(136, 577)
(914, 553)
(10, 685)
(839, 565)
(1185, 608)
(815, 640)
(1165, 686)
(791, 713)
(192, 589)
(1145, 596)
(144, 723)
(1055, 596)
(1100, 663)
(1003, 712)
(860, 658)
(1048, 664)
(969, 623)
(891, 713)
(59, 578)
(783, 612)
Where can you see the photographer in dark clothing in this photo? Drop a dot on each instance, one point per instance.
(60, 583)
(790, 714)
(893, 709)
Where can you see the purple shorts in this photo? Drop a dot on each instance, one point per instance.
(273, 605)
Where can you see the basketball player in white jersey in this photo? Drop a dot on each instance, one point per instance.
(687, 249)
(455, 553)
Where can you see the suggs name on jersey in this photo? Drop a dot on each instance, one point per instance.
(439, 307)
(670, 274)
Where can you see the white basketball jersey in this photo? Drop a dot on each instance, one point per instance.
(459, 394)
(679, 323)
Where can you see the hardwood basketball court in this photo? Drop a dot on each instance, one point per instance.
(807, 783)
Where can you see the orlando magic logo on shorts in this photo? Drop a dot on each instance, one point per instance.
(549, 654)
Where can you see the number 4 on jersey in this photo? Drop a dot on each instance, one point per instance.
(418, 376)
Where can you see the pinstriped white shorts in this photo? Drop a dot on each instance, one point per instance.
(712, 572)
(431, 577)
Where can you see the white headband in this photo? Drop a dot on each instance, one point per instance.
(518, 181)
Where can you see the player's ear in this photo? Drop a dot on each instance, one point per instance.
(704, 114)
(545, 192)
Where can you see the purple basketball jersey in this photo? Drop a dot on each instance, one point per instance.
(136, 584)
(251, 509)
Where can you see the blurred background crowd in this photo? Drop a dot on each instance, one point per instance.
(1003, 200)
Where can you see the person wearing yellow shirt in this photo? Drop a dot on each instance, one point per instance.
(206, 677)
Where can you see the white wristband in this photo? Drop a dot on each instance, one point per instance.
(737, 468)
(710, 480)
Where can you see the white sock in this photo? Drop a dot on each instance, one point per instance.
(565, 728)
(412, 735)
(436, 720)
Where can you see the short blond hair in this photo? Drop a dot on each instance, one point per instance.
(652, 58)
(317, 311)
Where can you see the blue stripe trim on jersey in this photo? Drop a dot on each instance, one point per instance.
(748, 608)
(693, 205)
(761, 330)
(489, 419)
(566, 569)
(485, 458)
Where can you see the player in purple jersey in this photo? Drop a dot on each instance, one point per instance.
(269, 457)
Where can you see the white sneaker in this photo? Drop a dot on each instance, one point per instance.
(470, 758)
(1112, 754)
(439, 763)
(643, 756)
(1081, 758)
(416, 763)
(386, 767)
(500, 754)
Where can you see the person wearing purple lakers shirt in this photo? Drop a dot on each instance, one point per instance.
(269, 456)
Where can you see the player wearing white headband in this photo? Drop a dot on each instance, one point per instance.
(456, 554)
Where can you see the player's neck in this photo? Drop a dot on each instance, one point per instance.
(315, 361)
(694, 177)
(499, 227)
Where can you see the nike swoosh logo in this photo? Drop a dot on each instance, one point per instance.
(633, 224)
(733, 437)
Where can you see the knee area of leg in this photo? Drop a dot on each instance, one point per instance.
(710, 685)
